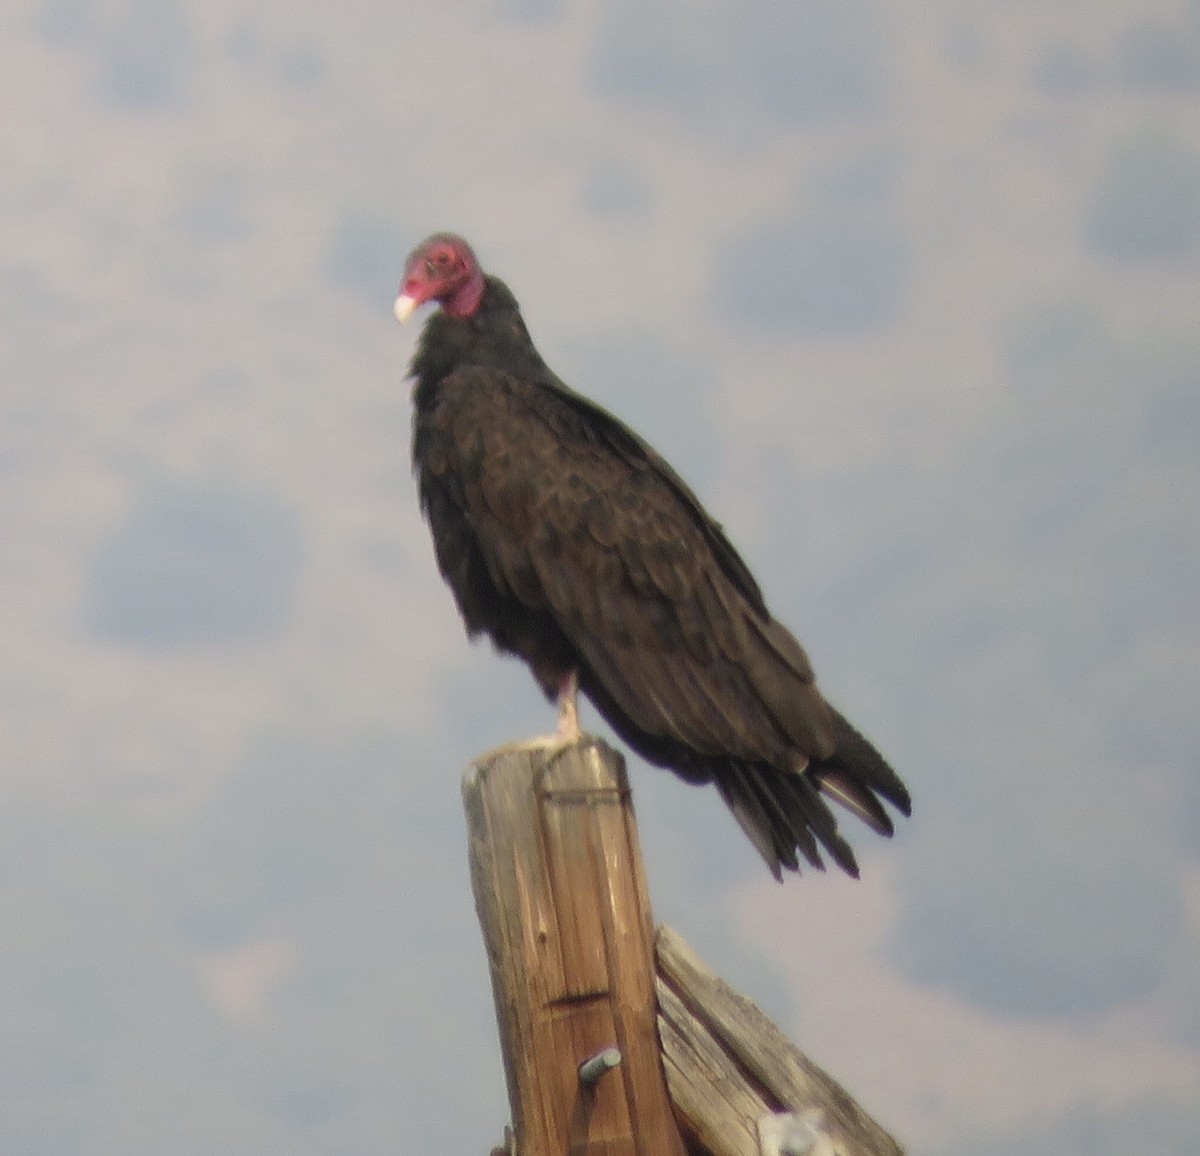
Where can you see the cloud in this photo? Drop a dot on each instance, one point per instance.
(935, 1069)
(1038, 580)
(26, 297)
(1062, 69)
(1164, 1125)
(658, 389)
(613, 189)
(959, 433)
(793, 63)
(216, 211)
(297, 63)
(834, 266)
(195, 562)
(144, 55)
(1156, 55)
(1063, 902)
(300, 65)
(365, 253)
(530, 11)
(1018, 621)
(1146, 203)
(299, 956)
(64, 22)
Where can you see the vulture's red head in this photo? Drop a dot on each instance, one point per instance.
(441, 268)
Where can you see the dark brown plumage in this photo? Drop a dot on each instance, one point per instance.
(569, 542)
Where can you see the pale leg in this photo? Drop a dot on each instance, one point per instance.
(566, 735)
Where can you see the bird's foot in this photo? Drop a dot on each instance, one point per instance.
(566, 735)
(550, 745)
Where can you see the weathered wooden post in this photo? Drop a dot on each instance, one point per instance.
(562, 900)
(739, 1085)
(616, 1043)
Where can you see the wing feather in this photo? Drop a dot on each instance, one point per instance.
(575, 517)
(627, 566)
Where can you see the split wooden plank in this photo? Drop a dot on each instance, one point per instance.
(760, 1065)
(717, 1104)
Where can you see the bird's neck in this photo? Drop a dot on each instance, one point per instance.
(466, 300)
(492, 336)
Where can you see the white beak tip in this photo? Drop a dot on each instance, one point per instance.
(404, 308)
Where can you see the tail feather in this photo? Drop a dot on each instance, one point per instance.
(857, 758)
(791, 832)
(780, 808)
(856, 798)
(811, 810)
(782, 813)
(753, 819)
(785, 816)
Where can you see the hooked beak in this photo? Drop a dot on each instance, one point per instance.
(405, 307)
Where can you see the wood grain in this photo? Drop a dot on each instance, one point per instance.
(562, 901)
(724, 1058)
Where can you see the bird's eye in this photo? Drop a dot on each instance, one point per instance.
(438, 264)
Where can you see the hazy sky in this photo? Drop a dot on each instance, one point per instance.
(912, 297)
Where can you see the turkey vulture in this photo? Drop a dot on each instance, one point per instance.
(576, 547)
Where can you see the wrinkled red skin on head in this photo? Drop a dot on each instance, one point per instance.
(443, 268)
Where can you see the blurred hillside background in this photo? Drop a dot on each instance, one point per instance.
(911, 295)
